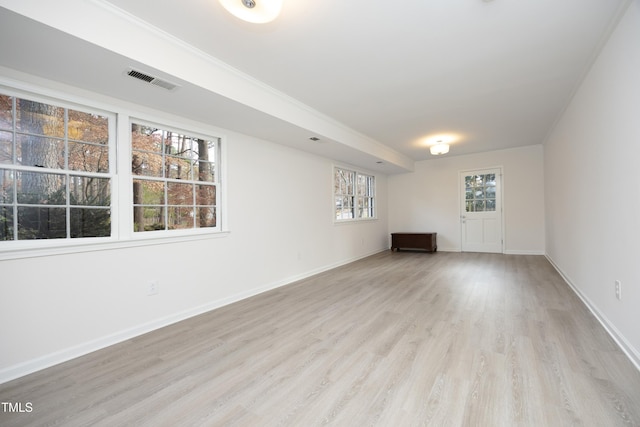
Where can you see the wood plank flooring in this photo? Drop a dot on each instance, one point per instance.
(396, 339)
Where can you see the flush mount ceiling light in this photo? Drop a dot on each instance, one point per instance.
(439, 148)
(255, 11)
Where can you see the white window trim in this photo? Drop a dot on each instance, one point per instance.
(358, 171)
(120, 151)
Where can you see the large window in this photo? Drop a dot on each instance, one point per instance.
(55, 180)
(174, 179)
(60, 184)
(354, 195)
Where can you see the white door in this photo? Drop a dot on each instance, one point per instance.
(481, 210)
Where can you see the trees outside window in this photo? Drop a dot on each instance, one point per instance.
(174, 179)
(354, 195)
(59, 181)
(55, 180)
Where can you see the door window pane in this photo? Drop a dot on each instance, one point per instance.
(480, 193)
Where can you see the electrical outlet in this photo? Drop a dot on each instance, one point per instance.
(618, 289)
(153, 288)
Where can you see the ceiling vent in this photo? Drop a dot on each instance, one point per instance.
(156, 81)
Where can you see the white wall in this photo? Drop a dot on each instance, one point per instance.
(280, 218)
(592, 186)
(428, 199)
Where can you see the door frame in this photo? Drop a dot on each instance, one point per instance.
(461, 195)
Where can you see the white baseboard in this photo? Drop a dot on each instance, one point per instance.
(37, 364)
(632, 353)
(506, 251)
(522, 252)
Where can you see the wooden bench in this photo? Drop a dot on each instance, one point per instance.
(426, 241)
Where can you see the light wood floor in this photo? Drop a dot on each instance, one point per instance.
(397, 339)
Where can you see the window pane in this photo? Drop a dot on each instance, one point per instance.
(468, 181)
(88, 157)
(40, 119)
(360, 207)
(88, 191)
(40, 188)
(6, 112)
(150, 218)
(40, 152)
(6, 222)
(6, 186)
(88, 127)
(367, 207)
(205, 171)
(469, 194)
(206, 217)
(179, 194)
(469, 206)
(41, 223)
(90, 222)
(479, 206)
(146, 138)
(180, 217)
(178, 168)
(338, 203)
(146, 164)
(371, 189)
(347, 207)
(148, 192)
(490, 205)
(203, 150)
(345, 182)
(6, 147)
(362, 185)
(176, 144)
(206, 195)
(490, 179)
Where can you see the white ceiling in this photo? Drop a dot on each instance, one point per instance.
(487, 74)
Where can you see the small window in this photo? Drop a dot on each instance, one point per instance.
(55, 180)
(175, 185)
(354, 195)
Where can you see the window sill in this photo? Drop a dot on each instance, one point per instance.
(353, 221)
(51, 247)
